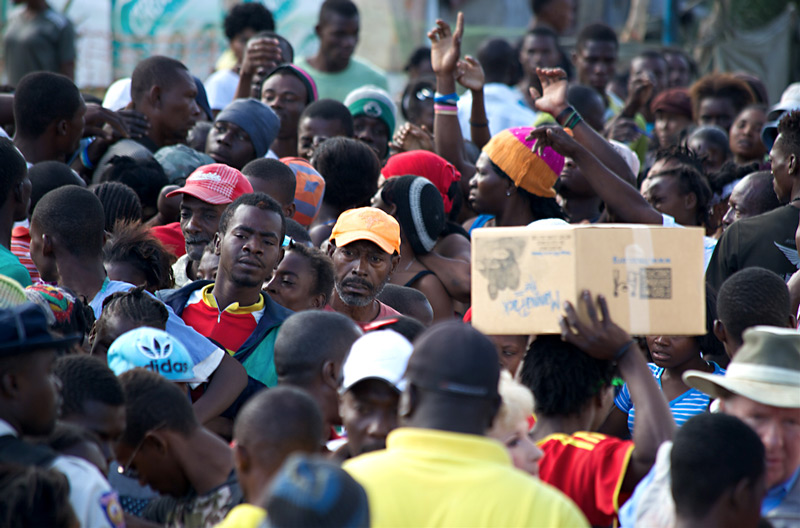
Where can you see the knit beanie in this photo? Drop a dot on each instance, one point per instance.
(372, 101)
(423, 163)
(514, 154)
(311, 491)
(305, 78)
(255, 118)
(420, 211)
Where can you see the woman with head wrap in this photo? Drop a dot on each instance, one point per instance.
(417, 206)
(450, 258)
(510, 183)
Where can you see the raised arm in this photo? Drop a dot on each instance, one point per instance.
(469, 74)
(553, 100)
(260, 53)
(601, 338)
(621, 199)
(445, 51)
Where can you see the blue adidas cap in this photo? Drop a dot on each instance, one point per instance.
(154, 350)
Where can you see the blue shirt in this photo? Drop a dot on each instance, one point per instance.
(205, 354)
(776, 494)
(683, 407)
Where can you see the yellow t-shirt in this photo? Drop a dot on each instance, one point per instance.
(244, 516)
(436, 478)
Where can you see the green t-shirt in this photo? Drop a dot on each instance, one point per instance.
(10, 266)
(337, 85)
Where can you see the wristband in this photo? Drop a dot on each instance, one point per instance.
(573, 121)
(445, 98)
(85, 157)
(564, 115)
(444, 109)
(623, 350)
(479, 125)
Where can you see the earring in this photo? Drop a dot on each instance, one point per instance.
(508, 192)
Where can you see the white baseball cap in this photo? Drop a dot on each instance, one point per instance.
(378, 355)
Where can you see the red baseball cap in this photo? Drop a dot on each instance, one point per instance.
(216, 184)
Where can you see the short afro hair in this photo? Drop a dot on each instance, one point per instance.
(343, 8)
(155, 71)
(42, 98)
(84, 379)
(562, 378)
(276, 171)
(263, 201)
(153, 401)
(145, 176)
(250, 15)
(722, 85)
(12, 168)
(330, 110)
(351, 170)
(596, 32)
(48, 175)
(74, 216)
(789, 130)
(711, 454)
(750, 297)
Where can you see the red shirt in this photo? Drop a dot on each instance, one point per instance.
(589, 468)
(230, 327)
(385, 312)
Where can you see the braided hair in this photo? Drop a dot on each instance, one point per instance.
(120, 202)
(135, 305)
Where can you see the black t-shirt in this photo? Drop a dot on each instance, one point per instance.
(765, 240)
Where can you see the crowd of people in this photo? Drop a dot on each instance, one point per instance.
(245, 301)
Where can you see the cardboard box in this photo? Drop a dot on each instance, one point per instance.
(652, 277)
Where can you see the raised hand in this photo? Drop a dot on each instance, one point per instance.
(103, 123)
(136, 122)
(553, 98)
(446, 45)
(600, 338)
(556, 138)
(261, 53)
(469, 74)
(412, 137)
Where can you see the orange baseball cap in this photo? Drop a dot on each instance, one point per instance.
(367, 223)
